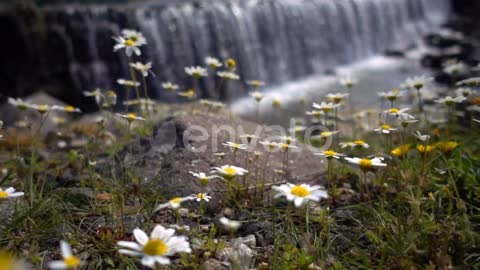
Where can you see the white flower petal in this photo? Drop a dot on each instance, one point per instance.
(140, 236)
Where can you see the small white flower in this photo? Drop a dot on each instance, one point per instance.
(391, 95)
(300, 194)
(227, 75)
(386, 129)
(67, 108)
(348, 82)
(464, 91)
(354, 144)
(325, 107)
(69, 260)
(236, 146)
(421, 137)
(395, 112)
(417, 82)
(170, 86)
(145, 69)
(366, 164)
(230, 224)
(174, 203)
(405, 119)
(455, 68)
(213, 62)
(130, 41)
(449, 101)
(19, 103)
(128, 83)
(475, 81)
(156, 249)
(230, 171)
(9, 193)
(337, 97)
(329, 154)
(131, 117)
(196, 72)
(204, 179)
(258, 96)
(201, 196)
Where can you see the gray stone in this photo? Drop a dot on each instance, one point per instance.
(212, 264)
(239, 255)
(248, 240)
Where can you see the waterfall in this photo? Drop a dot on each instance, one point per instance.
(273, 40)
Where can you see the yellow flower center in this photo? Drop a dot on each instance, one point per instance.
(204, 181)
(71, 262)
(418, 85)
(326, 109)
(230, 171)
(394, 110)
(330, 153)
(359, 142)
(365, 164)
(231, 64)
(176, 200)
(69, 108)
(200, 196)
(385, 126)
(131, 116)
(425, 149)
(42, 108)
(3, 194)
(155, 247)
(129, 42)
(300, 191)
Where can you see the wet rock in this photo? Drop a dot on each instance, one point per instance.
(212, 264)
(239, 255)
(261, 230)
(248, 240)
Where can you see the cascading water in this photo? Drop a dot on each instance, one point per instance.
(273, 40)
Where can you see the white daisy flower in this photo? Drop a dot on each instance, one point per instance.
(174, 203)
(449, 101)
(258, 96)
(213, 62)
(348, 82)
(145, 69)
(41, 108)
(354, 144)
(329, 154)
(156, 249)
(67, 108)
(405, 119)
(130, 117)
(391, 95)
(204, 179)
(170, 86)
(69, 260)
(325, 107)
(196, 72)
(300, 194)
(395, 111)
(9, 193)
(131, 44)
(325, 134)
(337, 97)
(227, 75)
(464, 91)
(135, 36)
(201, 196)
(230, 171)
(385, 129)
(470, 82)
(417, 82)
(366, 164)
(315, 113)
(128, 83)
(230, 224)
(236, 146)
(455, 68)
(421, 137)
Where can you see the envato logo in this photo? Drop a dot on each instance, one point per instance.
(196, 138)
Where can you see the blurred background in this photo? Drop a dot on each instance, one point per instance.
(65, 47)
